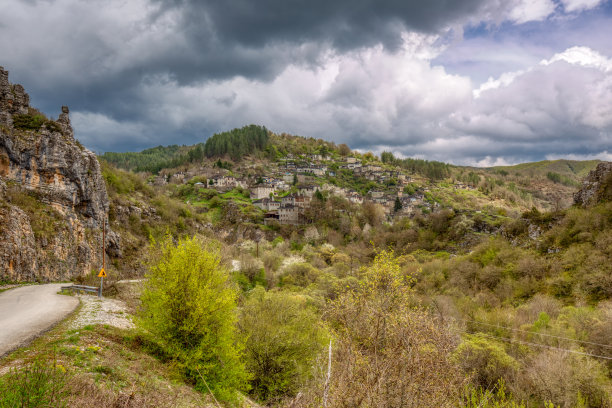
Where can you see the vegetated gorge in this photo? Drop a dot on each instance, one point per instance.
(288, 271)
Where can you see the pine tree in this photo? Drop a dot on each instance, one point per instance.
(398, 204)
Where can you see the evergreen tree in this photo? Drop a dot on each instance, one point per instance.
(237, 142)
(398, 204)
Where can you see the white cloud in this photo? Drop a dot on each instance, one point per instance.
(580, 5)
(604, 155)
(348, 98)
(531, 10)
(582, 56)
(505, 79)
(489, 161)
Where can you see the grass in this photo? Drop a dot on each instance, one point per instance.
(7, 285)
(237, 197)
(106, 367)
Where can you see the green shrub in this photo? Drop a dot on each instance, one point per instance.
(189, 310)
(285, 337)
(299, 274)
(498, 398)
(28, 121)
(485, 359)
(53, 126)
(36, 384)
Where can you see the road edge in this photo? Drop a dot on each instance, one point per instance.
(29, 340)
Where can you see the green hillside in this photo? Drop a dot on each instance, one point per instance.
(576, 170)
(156, 158)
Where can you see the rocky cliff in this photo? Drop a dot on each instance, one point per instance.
(597, 187)
(53, 199)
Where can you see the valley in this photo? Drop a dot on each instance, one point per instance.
(254, 256)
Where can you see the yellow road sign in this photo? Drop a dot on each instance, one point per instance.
(102, 273)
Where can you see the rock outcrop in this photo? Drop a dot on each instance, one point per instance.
(597, 186)
(53, 200)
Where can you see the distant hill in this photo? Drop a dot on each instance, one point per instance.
(156, 158)
(571, 169)
(235, 144)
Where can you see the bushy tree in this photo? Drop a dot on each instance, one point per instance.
(189, 311)
(344, 150)
(486, 360)
(387, 157)
(284, 337)
(388, 353)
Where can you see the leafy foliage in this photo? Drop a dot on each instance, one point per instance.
(498, 398)
(397, 354)
(486, 359)
(284, 338)
(28, 121)
(189, 311)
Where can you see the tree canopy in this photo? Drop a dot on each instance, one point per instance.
(237, 142)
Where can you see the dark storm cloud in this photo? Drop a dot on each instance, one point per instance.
(147, 72)
(346, 24)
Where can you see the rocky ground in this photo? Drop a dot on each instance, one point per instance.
(112, 312)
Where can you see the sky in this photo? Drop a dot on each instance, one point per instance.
(470, 82)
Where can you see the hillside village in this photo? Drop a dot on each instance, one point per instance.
(285, 189)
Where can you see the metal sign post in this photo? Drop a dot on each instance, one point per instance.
(102, 273)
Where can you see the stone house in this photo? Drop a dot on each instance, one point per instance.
(289, 214)
(288, 177)
(354, 197)
(376, 194)
(354, 165)
(222, 181)
(403, 179)
(267, 204)
(262, 191)
(243, 183)
(280, 184)
(319, 170)
(307, 190)
(296, 200)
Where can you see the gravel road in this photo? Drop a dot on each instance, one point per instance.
(28, 311)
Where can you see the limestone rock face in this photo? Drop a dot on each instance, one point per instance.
(597, 186)
(17, 245)
(53, 200)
